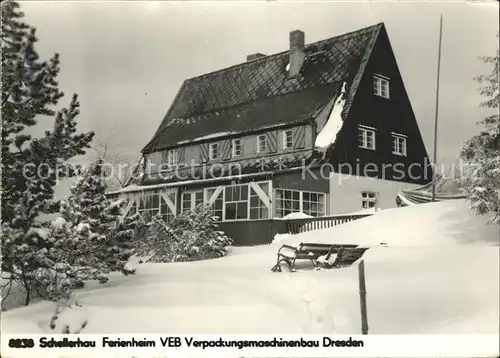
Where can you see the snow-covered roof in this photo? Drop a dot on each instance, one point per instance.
(259, 93)
(205, 137)
(329, 132)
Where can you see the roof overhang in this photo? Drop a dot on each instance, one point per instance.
(138, 188)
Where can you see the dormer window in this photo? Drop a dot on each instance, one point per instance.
(381, 86)
(288, 139)
(172, 157)
(236, 148)
(214, 151)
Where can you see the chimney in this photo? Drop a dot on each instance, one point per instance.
(297, 55)
(255, 56)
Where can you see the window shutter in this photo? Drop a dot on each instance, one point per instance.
(225, 151)
(299, 134)
(272, 141)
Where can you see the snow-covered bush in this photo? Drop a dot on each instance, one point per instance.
(193, 235)
(157, 241)
(198, 235)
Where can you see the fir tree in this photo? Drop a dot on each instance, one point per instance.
(103, 238)
(87, 241)
(31, 166)
(481, 184)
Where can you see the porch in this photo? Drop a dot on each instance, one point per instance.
(251, 209)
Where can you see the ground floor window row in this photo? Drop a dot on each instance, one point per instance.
(249, 201)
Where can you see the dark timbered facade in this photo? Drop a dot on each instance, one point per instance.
(244, 139)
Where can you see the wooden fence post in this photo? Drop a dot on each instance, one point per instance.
(362, 297)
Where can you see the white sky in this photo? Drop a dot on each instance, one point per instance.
(127, 59)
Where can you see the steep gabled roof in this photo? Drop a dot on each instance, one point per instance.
(258, 93)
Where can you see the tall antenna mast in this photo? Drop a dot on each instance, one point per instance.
(437, 110)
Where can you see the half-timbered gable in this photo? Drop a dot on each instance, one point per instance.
(291, 144)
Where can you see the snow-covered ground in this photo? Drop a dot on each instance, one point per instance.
(438, 273)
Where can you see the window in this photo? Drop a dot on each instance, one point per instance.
(240, 201)
(191, 199)
(218, 203)
(186, 202)
(151, 203)
(236, 202)
(214, 151)
(172, 157)
(258, 209)
(368, 199)
(167, 214)
(287, 202)
(381, 86)
(261, 144)
(366, 137)
(288, 139)
(236, 148)
(313, 204)
(293, 201)
(399, 144)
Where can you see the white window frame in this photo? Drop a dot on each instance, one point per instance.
(254, 190)
(286, 133)
(247, 201)
(365, 130)
(235, 151)
(218, 192)
(139, 197)
(399, 144)
(264, 196)
(192, 199)
(381, 86)
(173, 158)
(261, 142)
(369, 197)
(214, 149)
(324, 200)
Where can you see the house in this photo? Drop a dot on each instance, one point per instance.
(321, 128)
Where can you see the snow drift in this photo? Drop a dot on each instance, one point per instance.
(432, 224)
(437, 274)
